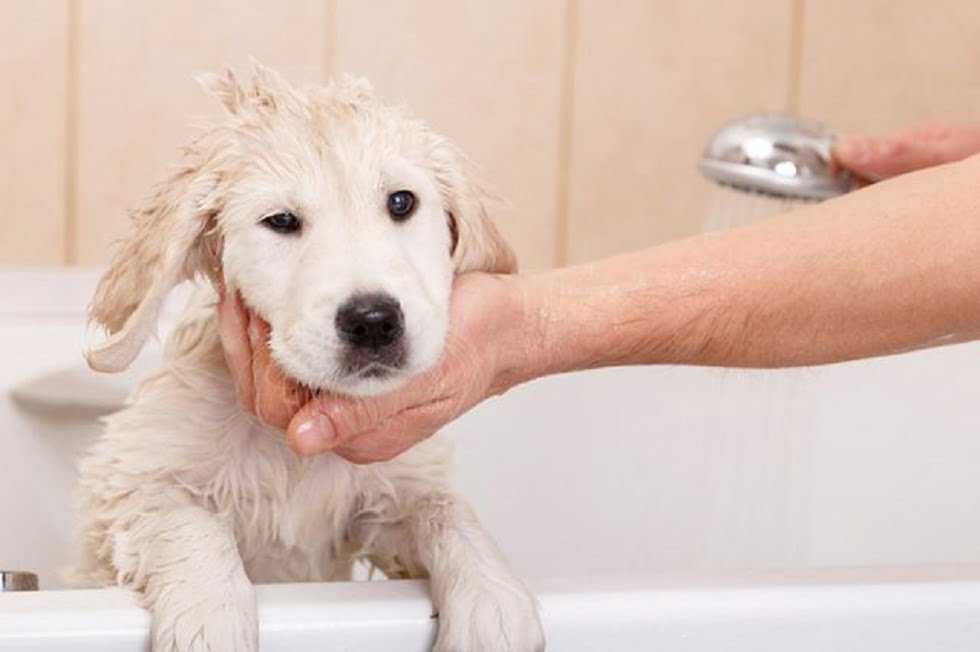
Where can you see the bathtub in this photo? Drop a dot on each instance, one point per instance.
(650, 508)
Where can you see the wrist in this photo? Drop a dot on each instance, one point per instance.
(520, 338)
(642, 308)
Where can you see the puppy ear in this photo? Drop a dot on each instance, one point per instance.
(165, 247)
(477, 244)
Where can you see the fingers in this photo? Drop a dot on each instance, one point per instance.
(876, 158)
(375, 429)
(381, 446)
(276, 398)
(328, 420)
(233, 330)
(880, 158)
(327, 428)
(262, 388)
(399, 433)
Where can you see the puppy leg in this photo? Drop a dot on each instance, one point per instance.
(482, 605)
(184, 563)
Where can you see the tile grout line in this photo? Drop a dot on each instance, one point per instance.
(70, 207)
(565, 117)
(795, 70)
(330, 48)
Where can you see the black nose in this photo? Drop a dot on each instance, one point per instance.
(370, 321)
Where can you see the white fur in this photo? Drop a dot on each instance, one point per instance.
(187, 499)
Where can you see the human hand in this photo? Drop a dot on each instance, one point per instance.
(485, 339)
(263, 389)
(879, 157)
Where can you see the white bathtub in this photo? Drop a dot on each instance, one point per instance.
(657, 508)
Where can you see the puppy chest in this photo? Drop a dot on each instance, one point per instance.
(296, 525)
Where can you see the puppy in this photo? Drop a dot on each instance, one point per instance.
(341, 222)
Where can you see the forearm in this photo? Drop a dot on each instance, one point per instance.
(893, 267)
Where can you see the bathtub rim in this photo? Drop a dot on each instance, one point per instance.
(579, 609)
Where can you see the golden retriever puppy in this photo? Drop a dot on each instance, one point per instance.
(340, 221)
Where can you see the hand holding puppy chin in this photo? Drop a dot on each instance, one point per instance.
(484, 341)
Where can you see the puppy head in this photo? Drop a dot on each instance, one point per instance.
(339, 220)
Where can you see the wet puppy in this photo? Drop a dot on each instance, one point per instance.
(341, 222)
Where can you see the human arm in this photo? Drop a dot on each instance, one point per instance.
(890, 268)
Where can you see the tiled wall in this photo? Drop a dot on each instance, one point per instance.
(587, 116)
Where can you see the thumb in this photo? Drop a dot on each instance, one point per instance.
(377, 428)
(328, 420)
(393, 437)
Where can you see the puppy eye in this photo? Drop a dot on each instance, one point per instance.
(282, 222)
(401, 204)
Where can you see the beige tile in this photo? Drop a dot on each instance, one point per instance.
(485, 74)
(137, 95)
(652, 81)
(33, 68)
(876, 65)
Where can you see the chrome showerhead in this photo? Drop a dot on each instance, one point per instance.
(776, 154)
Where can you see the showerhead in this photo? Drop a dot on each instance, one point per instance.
(775, 154)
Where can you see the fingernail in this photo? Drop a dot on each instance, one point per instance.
(317, 430)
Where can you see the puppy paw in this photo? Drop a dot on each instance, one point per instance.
(501, 618)
(199, 619)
